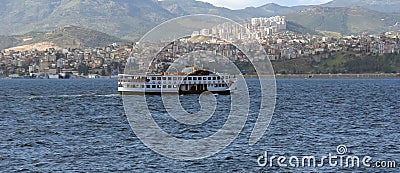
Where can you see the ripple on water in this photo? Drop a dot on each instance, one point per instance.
(80, 125)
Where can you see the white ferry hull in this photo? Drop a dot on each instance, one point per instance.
(196, 82)
(141, 91)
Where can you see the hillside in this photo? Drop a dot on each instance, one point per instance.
(353, 20)
(386, 6)
(68, 36)
(7, 41)
(272, 9)
(130, 19)
(346, 63)
(187, 7)
(122, 18)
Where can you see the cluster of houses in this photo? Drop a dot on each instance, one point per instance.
(282, 44)
(89, 63)
(278, 43)
(288, 45)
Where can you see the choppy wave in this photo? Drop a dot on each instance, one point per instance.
(30, 97)
(85, 130)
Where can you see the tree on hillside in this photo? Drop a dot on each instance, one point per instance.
(83, 69)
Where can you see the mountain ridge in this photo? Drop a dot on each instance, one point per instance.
(386, 6)
(130, 19)
(345, 20)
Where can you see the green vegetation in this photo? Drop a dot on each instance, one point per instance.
(69, 36)
(333, 64)
(83, 69)
(293, 66)
(387, 64)
(130, 19)
(119, 18)
(353, 20)
(330, 34)
(292, 26)
(377, 5)
(341, 63)
(7, 41)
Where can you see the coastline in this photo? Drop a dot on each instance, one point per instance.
(332, 76)
(291, 76)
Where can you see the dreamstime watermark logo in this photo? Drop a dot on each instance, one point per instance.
(218, 49)
(341, 149)
(333, 160)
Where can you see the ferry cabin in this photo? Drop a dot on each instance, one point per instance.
(182, 84)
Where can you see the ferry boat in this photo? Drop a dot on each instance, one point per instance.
(190, 81)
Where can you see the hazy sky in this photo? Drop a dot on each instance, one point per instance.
(240, 4)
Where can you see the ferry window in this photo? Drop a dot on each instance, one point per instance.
(218, 78)
(158, 86)
(153, 78)
(209, 78)
(158, 78)
(164, 78)
(214, 78)
(216, 85)
(147, 86)
(169, 78)
(153, 86)
(164, 86)
(204, 78)
(174, 86)
(189, 78)
(169, 86)
(174, 78)
(141, 86)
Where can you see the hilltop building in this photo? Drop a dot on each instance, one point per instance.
(262, 27)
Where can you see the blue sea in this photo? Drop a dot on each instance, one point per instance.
(80, 126)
